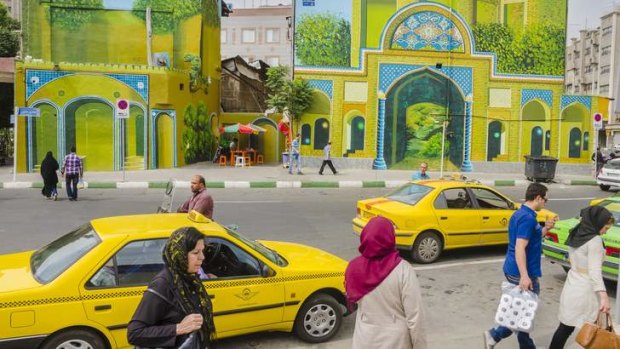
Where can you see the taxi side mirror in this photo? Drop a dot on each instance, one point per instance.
(512, 206)
(266, 271)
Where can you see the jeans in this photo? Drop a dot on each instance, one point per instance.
(295, 159)
(72, 181)
(501, 332)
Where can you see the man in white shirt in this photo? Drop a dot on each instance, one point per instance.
(327, 159)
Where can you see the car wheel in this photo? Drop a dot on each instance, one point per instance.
(604, 187)
(427, 248)
(74, 339)
(319, 319)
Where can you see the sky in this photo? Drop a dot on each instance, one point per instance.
(342, 8)
(586, 14)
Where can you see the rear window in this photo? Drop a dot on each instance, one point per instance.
(409, 193)
(52, 260)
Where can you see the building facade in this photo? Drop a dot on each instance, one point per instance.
(593, 69)
(259, 33)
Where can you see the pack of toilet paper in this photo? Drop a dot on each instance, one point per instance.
(517, 308)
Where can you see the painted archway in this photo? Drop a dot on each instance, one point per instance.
(353, 132)
(496, 139)
(134, 134)
(89, 125)
(534, 123)
(42, 134)
(416, 107)
(164, 138)
(575, 119)
(268, 143)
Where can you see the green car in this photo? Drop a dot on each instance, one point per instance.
(554, 244)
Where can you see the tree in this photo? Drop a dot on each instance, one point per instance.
(197, 135)
(73, 14)
(9, 41)
(323, 39)
(285, 94)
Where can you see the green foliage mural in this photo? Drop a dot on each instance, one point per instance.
(9, 42)
(197, 136)
(196, 80)
(537, 49)
(424, 130)
(323, 40)
(71, 15)
(165, 14)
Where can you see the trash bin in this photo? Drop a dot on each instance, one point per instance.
(285, 159)
(540, 168)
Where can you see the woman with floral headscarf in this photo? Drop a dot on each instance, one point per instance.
(386, 291)
(176, 305)
(584, 293)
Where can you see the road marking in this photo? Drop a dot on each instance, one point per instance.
(571, 199)
(450, 265)
(251, 202)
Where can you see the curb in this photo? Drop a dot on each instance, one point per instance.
(276, 184)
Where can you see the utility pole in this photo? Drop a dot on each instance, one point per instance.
(149, 37)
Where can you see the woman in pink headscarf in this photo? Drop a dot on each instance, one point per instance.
(386, 291)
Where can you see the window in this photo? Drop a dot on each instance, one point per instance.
(586, 140)
(223, 36)
(273, 61)
(272, 35)
(305, 134)
(577, 54)
(457, 198)
(604, 89)
(224, 259)
(587, 51)
(605, 69)
(606, 31)
(489, 200)
(133, 265)
(409, 193)
(248, 36)
(52, 260)
(321, 133)
(606, 50)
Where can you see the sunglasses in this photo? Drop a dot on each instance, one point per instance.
(544, 198)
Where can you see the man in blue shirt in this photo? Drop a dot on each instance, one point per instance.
(522, 263)
(295, 155)
(422, 173)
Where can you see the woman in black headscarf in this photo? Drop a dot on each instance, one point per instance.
(176, 311)
(49, 166)
(578, 302)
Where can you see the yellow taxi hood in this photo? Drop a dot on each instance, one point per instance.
(306, 258)
(15, 273)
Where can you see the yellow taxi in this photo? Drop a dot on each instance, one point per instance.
(81, 290)
(435, 215)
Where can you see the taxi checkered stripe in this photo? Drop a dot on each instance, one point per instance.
(232, 283)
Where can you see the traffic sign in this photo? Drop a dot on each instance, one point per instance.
(122, 109)
(598, 121)
(28, 111)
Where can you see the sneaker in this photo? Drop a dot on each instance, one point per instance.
(489, 342)
(55, 197)
(299, 173)
(320, 173)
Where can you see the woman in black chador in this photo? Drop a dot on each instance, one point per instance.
(49, 166)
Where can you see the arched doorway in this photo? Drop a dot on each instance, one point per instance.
(416, 107)
(575, 120)
(43, 134)
(321, 133)
(89, 125)
(495, 139)
(534, 121)
(134, 132)
(267, 143)
(354, 132)
(164, 140)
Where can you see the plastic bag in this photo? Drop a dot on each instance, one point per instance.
(517, 308)
(81, 183)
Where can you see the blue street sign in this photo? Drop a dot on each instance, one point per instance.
(307, 3)
(28, 111)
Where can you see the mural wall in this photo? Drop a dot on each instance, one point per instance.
(481, 80)
(82, 57)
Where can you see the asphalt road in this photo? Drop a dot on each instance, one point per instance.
(460, 291)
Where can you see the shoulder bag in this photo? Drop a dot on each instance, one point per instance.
(596, 336)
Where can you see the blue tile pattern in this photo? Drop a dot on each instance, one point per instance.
(35, 79)
(568, 100)
(528, 95)
(326, 86)
(428, 31)
(389, 73)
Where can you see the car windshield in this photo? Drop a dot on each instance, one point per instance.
(270, 254)
(52, 260)
(614, 208)
(409, 193)
(613, 164)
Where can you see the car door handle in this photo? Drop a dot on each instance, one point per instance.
(485, 217)
(443, 218)
(103, 307)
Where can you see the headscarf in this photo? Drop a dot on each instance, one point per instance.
(379, 257)
(175, 258)
(593, 219)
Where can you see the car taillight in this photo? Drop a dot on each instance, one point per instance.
(358, 212)
(612, 251)
(552, 236)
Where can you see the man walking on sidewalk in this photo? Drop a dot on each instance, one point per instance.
(72, 170)
(522, 263)
(295, 156)
(327, 159)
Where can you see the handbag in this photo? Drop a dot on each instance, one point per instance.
(595, 336)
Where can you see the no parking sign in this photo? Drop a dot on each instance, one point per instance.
(122, 109)
(598, 121)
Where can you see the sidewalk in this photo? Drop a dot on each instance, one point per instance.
(267, 176)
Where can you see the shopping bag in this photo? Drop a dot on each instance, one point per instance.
(517, 308)
(81, 183)
(596, 336)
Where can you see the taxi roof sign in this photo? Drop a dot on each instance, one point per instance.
(197, 217)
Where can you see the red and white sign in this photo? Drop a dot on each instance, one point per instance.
(597, 118)
(122, 109)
